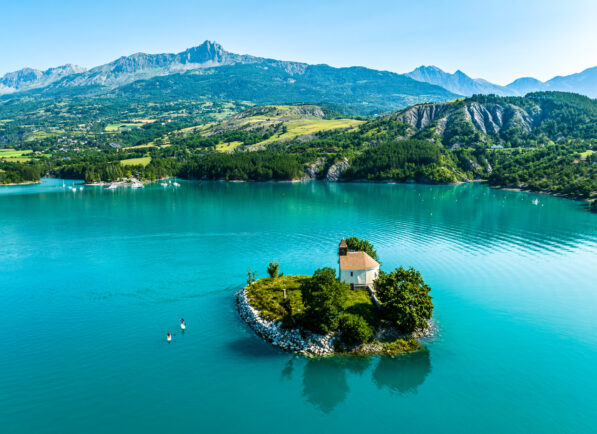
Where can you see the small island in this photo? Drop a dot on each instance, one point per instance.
(361, 310)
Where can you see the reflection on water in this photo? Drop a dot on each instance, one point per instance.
(248, 346)
(326, 382)
(403, 374)
(288, 370)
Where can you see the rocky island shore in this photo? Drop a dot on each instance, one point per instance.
(321, 345)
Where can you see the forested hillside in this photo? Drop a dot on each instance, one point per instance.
(543, 142)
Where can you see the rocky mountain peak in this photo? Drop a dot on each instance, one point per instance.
(208, 51)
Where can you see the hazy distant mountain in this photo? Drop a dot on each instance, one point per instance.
(524, 85)
(458, 82)
(29, 78)
(584, 83)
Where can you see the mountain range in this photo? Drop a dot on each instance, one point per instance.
(208, 72)
(29, 78)
(584, 83)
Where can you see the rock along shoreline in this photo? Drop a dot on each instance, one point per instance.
(288, 340)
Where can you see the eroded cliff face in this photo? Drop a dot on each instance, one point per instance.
(489, 119)
(336, 170)
(420, 116)
(493, 118)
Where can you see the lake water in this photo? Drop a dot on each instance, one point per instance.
(91, 282)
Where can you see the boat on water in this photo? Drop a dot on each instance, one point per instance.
(176, 184)
(112, 186)
(137, 184)
(163, 184)
(535, 201)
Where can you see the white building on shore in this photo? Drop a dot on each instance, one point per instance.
(358, 269)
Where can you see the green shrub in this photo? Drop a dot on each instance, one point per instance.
(354, 329)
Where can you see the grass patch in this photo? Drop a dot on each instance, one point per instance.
(295, 129)
(393, 348)
(40, 135)
(12, 153)
(226, 147)
(148, 145)
(14, 156)
(400, 346)
(359, 302)
(16, 159)
(586, 154)
(111, 128)
(143, 161)
(266, 295)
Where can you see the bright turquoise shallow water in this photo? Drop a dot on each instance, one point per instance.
(92, 281)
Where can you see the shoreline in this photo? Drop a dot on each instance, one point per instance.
(408, 182)
(543, 192)
(16, 184)
(356, 181)
(125, 183)
(310, 344)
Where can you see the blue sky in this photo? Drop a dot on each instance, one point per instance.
(495, 40)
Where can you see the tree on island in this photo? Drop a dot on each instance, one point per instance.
(323, 296)
(251, 276)
(356, 245)
(405, 298)
(272, 269)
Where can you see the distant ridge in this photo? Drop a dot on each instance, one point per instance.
(458, 83)
(29, 78)
(584, 83)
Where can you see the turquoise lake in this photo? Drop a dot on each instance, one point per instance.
(91, 282)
